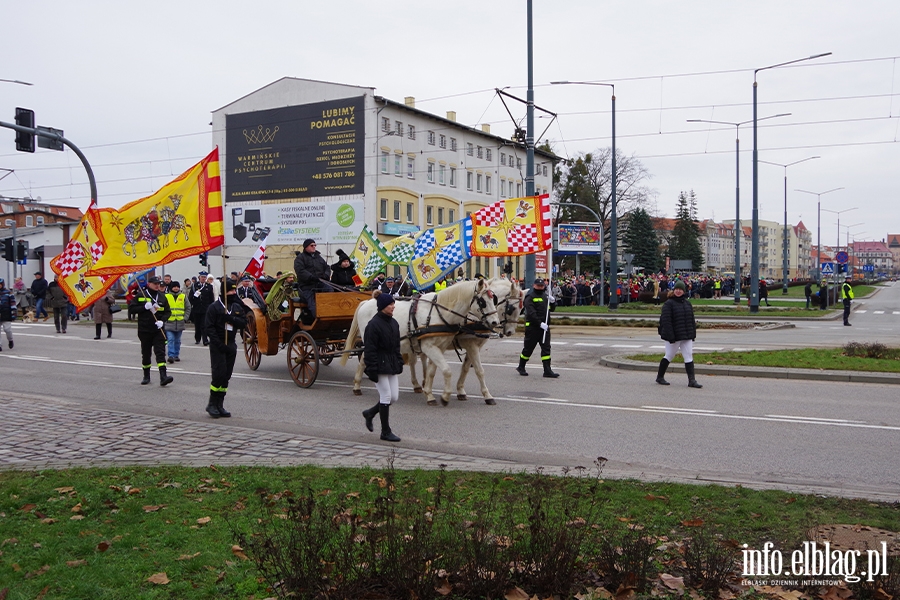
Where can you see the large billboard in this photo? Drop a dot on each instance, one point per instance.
(579, 238)
(336, 221)
(305, 151)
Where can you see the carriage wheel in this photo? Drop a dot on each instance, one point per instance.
(303, 359)
(251, 345)
(330, 348)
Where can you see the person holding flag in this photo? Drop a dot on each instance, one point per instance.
(538, 306)
(224, 321)
(152, 310)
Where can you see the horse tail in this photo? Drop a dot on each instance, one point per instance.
(352, 334)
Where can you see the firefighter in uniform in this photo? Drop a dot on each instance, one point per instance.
(538, 301)
(152, 310)
(225, 319)
(847, 297)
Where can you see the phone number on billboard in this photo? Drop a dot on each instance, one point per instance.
(334, 175)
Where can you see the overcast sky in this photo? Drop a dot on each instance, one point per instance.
(133, 86)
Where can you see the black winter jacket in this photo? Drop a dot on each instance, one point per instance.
(146, 318)
(382, 347)
(309, 268)
(217, 318)
(676, 323)
(342, 276)
(536, 307)
(200, 303)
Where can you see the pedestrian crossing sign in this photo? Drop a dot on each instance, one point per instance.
(828, 268)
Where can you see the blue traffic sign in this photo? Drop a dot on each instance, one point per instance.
(869, 268)
(842, 257)
(827, 268)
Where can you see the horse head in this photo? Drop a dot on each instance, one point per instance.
(483, 307)
(509, 298)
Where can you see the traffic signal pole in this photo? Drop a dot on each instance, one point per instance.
(59, 138)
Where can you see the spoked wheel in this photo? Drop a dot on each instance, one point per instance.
(329, 349)
(303, 359)
(251, 345)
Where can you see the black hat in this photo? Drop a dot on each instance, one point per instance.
(227, 286)
(391, 279)
(342, 255)
(154, 280)
(383, 301)
(539, 281)
(175, 284)
(307, 242)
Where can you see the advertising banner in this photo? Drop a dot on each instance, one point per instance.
(305, 151)
(331, 222)
(579, 238)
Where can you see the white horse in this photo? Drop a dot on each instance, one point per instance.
(430, 330)
(508, 296)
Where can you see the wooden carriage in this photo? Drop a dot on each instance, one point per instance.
(307, 345)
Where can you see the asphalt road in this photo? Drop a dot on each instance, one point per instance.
(808, 436)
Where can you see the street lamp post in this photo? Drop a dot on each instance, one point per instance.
(784, 257)
(818, 196)
(837, 246)
(613, 233)
(738, 232)
(754, 258)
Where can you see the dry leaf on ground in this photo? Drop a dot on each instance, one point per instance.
(76, 563)
(239, 552)
(672, 582)
(103, 546)
(203, 520)
(64, 490)
(48, 521)
(76, 517)
(693, 523)
(77, 508)
(445, 588)
(158, 579)
(153, 507)
(28, 507)
(516, 594)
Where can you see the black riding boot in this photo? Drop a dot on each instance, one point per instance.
(146, 378)
(661, 374)
(521, 368)
(387, 435)
(548, 372)
(163, 378)
(692, 381)
(220, 404)
(369, 415)
(213, 406)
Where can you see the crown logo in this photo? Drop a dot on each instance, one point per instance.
(260, 135)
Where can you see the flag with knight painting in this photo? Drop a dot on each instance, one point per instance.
(369, 256)
(438, 252)
(512, 227)
(72, 264)
(184, 218)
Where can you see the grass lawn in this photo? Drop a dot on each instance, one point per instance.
(805, 358)
(796, 291)
(168, 532)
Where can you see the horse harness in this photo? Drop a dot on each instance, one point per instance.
(469, 325)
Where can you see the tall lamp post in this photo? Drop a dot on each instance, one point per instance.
(754, 258)
(613, 233)
(784, 250)
(738, 233)
(818, 196)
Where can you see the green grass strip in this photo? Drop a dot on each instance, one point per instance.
(804, 358)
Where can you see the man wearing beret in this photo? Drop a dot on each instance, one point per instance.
(152, 310)
(311, 268)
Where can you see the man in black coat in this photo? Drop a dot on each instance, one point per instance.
(39, 293)
(807, 291)
(311, 268)
(201, 297)
(152, 310)
(225, 319)
(679, 330)
(538, 304)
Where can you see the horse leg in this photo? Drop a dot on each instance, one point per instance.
(357, 378)
(436, 356)
(461, 382)
(417, 387)
(428, 381)
(473, 353)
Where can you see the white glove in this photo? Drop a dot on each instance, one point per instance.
(159, 324)
(551, 298)
(544, 326)
(148, 306)
(155, 307)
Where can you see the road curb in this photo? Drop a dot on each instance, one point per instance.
(621, 361)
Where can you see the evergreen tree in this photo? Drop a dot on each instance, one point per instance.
(685, 242)
(641, 240)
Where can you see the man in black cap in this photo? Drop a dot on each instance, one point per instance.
(538, 304)
(389, 287)
(152, 310)
(847, 299)
(224, 321)
(200, 296)
(342, 272)
(246, 290)
(310, 269)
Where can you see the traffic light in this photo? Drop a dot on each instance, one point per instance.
(203, 259)
(8, 250)
(24, 141)
(21, 251)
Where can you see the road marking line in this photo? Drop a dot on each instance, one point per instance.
(813, 419)
(743, 349)
(860, 311)
(698, 410)
(588, 344)
(626, 346)
(897, 312)
(877, 312)
(706, 348)
(655, 347)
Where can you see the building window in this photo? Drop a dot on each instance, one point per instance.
(443, 141)
(397, 211)
(470, 176)
(29, 221)
(384, 162)
(40, 220)
(470, 148)
(385, 124)
(398, 168)
(453, 146)
(410, 167)
(452, 176)
(518, 163)
(398, 127)
(442, 169)
(383, 213)
(429, 211)
(409, 212)
(62, 213)
(518, 190)
(431, 138)
(9, 222)
(480, 152)
(431, 172)
(487, 153)
(411, 132)
(545, 170)
(440, 216)
(452, 215)
(478, 183)
(503, 158)
(487, 184)
(503, 188)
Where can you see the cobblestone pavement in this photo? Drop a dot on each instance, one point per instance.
(49, 434)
